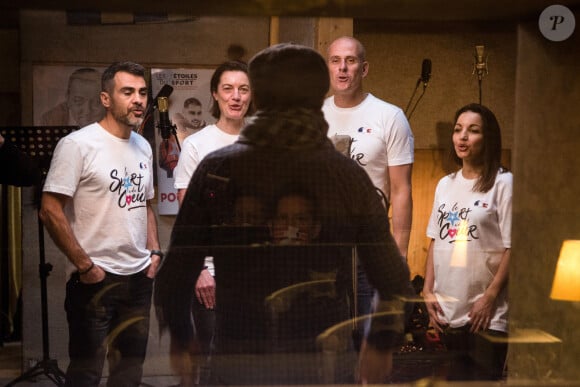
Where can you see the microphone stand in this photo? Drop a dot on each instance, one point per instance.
(173, 132)
(38, 143)
(167, 129)
(419, 81)
(413, 95)
(165, 126)
(480, 66)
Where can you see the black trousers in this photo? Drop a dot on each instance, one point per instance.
(473, 357)
(108, 319)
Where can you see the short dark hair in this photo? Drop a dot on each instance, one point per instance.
(232, 65)
(491, 152)
(107, 80)
(191, 101)
(288, 75)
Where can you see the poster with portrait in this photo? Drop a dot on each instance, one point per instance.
(66, 95)
(189, 104)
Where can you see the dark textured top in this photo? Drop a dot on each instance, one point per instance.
(249, 267)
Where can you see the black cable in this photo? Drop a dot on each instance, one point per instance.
(416, 103)
(413, 95)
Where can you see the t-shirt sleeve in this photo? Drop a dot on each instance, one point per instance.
(504, 208)
(188, 162)
(400, 141)
(432, 228)
(65, 169)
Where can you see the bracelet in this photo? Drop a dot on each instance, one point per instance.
(157, 252)
(87, 270)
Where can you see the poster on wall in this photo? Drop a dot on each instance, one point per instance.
(66, 95)
(188, 106)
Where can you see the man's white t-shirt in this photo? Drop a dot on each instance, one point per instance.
(380, 135)
(109, 180)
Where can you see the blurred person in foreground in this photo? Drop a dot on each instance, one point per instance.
(231, 93)
(286, 145)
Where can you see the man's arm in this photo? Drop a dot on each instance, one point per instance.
(58, 226)
(401, 201)
(152, 240)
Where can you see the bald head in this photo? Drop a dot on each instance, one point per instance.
(347, 68)
(349, 40)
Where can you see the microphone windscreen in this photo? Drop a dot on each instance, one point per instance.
(165, 92)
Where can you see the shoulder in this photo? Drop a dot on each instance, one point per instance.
(206, 132)
(329, 100)
(85, 134)
(448, 180)
(221, 158)
(139, 139)
(504, 175)
(328, 104)
(201, 135)
(232, 151)
(386, 108)
(504, 179)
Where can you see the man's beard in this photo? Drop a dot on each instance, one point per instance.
(125, 118)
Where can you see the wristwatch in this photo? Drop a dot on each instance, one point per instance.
(158, 252)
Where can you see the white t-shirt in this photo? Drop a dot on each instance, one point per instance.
(195, 147)
(380, 135)
(109, 180)
(193, 150)
(471, 231)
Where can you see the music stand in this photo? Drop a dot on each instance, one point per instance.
(38, 142)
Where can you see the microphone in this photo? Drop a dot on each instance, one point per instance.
(480, 65)
(165, 91)
(425, 72)
(424, 79)
(165, 125)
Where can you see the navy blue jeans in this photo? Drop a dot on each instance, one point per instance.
(364, 298)
(108, 319)
(204, 320)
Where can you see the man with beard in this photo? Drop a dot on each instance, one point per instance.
(96, 207)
